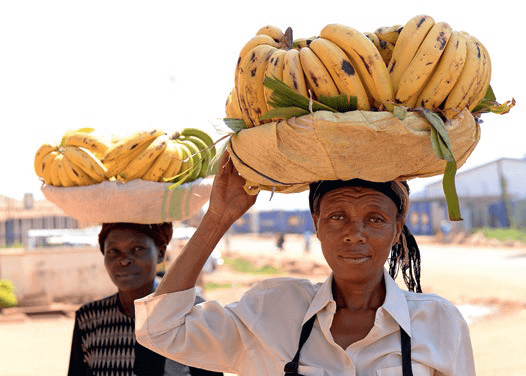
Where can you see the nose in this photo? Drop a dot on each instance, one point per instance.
(125, 259)
(354, 232)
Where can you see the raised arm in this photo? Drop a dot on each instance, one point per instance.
(228, 202)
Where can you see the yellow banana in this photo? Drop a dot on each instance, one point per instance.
(53, 170)
(341, 70)
(259, 39)
(161, 164)
(386, 51)
(272, 31)
(87, 161)
(299, 43)
(446, 74)
(466, 84)
(293, 74)
(128, 144)
(63, 177)
(373, 38)
(424, 61)
(240, 77)
(366, 60)
(116, 166)
(250, 84)
(273, 69)
(232, 109)
(46, 166)
(76, 174)
(140, 164)
(87, 141)
(176, 161)
(485, 77)
(389, 33)
(40, 154)
(407, 44)
(318, 77)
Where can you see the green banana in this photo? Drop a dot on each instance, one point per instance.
(195, 155)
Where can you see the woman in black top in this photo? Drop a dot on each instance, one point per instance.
(104, 333)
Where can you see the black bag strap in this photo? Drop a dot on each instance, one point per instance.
(291, 368)
(407, 369)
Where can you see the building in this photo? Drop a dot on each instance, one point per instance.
(17, 217)
(490, 195)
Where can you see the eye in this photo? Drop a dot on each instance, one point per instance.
(140, 251)
(337, 216)
(376, 219)
(111, 251)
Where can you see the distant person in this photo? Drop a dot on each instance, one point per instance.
(280, 241)
(307, 237)
(357, 322)
(104, 332)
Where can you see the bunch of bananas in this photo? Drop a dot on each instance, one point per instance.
(84, 159)
(76, 161)
(438, 68)
(420, 64)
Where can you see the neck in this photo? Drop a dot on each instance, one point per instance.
(359, 296)
(126, 298)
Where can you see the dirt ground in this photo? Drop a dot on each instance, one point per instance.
(489, 275)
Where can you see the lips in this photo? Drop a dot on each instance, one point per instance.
(354, 257)
(125, 276)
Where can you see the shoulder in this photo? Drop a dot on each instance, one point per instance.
(95, 308)
(273, 295)
(420, 301)
(434, 312)
(275, 287)
(100, 303)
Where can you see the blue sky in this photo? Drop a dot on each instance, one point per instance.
(123, 65)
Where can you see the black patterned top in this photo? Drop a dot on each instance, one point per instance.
(104, 345)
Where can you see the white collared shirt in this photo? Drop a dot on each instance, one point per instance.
(259, 334)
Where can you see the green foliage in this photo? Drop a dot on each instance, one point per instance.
(489, 104)
(288, 103)
(235, 125)
(14, 245)
(242, 265)
(503, 234)
(7, 295)
(216, 286)
(443, 150)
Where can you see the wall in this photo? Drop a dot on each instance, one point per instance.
(58, 272)
(287, 221)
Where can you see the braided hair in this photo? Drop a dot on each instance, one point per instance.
(405, 254)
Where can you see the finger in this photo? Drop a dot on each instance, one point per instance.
(225, 158)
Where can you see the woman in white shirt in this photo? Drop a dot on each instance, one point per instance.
(358, 322)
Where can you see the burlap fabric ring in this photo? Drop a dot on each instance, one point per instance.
(287, 155)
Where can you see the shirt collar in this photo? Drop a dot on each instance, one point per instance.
(395, 303)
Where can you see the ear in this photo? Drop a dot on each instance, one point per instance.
(315, 222)
(399, 227)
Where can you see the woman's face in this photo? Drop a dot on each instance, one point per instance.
(131, 259)
(357, 227)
